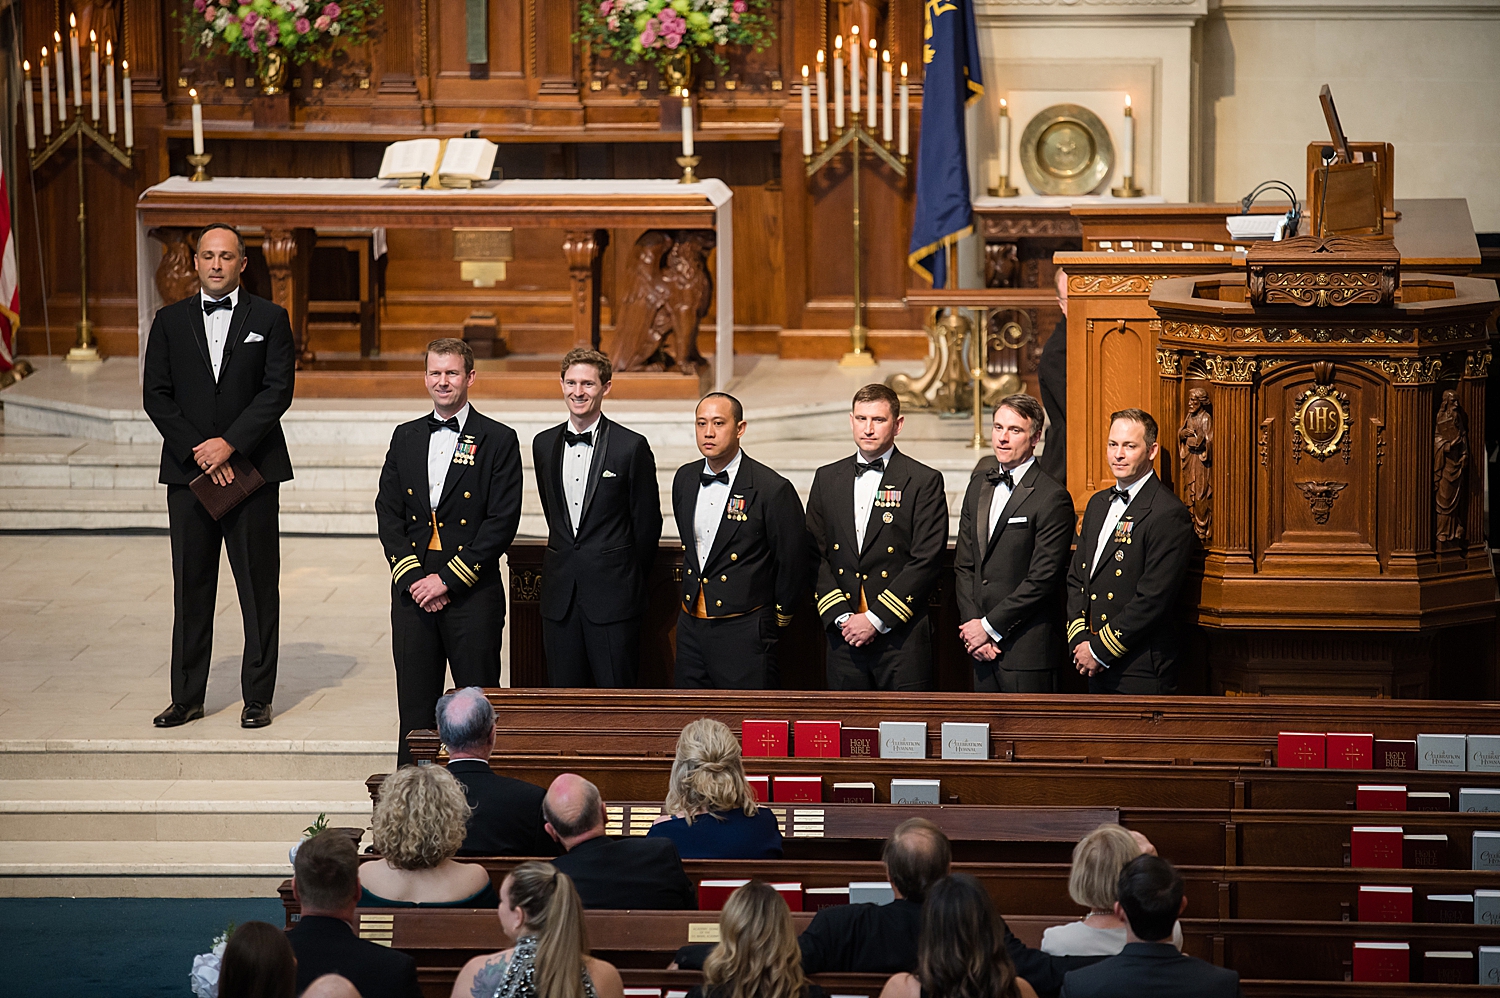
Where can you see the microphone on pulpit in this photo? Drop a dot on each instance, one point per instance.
(1288, 225)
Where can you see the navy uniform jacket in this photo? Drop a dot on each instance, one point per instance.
(478, 513)
(904, 541)
(760, 551)
(1124, 606)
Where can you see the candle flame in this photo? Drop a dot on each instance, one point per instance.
(193, 94)
(1127, 100)
(56, 38)
(872, 45)
(1003, 105)
(72, 21)
(44, 53)
(125, 66)
(854, 30)
(885, 57)
(838, 42)
(903, 69)
(820, 57)
(93, 38)
(109, 48)
(804, 72)
(26, 65)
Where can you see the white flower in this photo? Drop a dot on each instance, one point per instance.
(205, 974)
(335, 28)
(222, 19)
(716, 15)
(207, 37)
(721, 34)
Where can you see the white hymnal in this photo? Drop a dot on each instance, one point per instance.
(965, 741)
(871, 892)
(1448, 753)
(1484, 754)
(1489, 965)
(914, 791)
(1478, 799)
(903, 739)
(1486, 851)
(464, 161)
(1486, 907)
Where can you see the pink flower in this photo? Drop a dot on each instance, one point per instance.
(606, 7)
(673, 41)
(251, 42)
(250, 18)
(740, 6)
(198, 6)
(303, 25)
(734, 17)
(332, 10)
(613, 22)
(323, 22)
(648, 37)
(210, 15)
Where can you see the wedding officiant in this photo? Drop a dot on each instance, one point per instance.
(218, 375)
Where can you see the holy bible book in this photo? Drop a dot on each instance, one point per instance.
(859, 743)
(1448, 967)
(1424, 851)
(463, 162)
(220, 499)
(852, 793)
(1395, 753)
(1449, 909)
(818, 898)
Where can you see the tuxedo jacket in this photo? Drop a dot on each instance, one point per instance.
(905, 539)
(1014, 576)
(478, 512)
(1155, 969)
(1125, 606)
(243, 405)
(329, 946)
(507, 816)
(759, 554)
(605, 562)
(643, 873)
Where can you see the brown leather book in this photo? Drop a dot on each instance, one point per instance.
(220, 499)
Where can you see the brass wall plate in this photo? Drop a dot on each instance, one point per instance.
(1066, 150)
(484, 244)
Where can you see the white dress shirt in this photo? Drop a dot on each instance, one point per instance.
(575, 470)
(216, 327)
(1112, 517)
(865, 487)
(710, 510)
(440, 447)
(997, 506)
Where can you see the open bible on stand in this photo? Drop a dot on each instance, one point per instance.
(452, 162)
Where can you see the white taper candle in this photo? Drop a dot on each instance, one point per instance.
(838, 82)
(885, 93)
(77, 66)
(903, 143)
(807, 135)
(30, 112)
(822, 100)
(687, 124)
(109, 86)
(93, 77)
(197, 124)
(129, 113)
(854, 72)
(1127, 154)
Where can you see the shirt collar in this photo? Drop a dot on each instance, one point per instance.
(733, 467)
(461, 415)
(886, 457)
(234, 297)
(587, 429)
(1019, 471)
(1140, 483)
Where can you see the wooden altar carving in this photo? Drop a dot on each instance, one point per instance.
(288, 253)
(583, 250)
(670, 291)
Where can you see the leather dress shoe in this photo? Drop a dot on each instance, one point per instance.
(177, 714)
(255, 715)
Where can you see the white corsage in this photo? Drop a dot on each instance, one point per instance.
(204, 977)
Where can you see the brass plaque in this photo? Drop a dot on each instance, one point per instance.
(484, 244)
(1321, 420)
(1066, 150)
(703, 932)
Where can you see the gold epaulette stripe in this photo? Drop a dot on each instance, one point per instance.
(1076, 628)
(465, 574)
(888, 600)
(405, 565)
(1112, 641)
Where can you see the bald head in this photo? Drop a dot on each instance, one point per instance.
(916, 856)
(331, 986)
(573, 810)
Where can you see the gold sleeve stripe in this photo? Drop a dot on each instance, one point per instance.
(465, 574)
(831, 600)
(1112, 641)
(888, 600)
(783, 620)
(1076, 628)
(405, 565)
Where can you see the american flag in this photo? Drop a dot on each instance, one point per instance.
(10, 291)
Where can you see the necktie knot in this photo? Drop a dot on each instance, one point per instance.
(1121, 494)
(705, 479)
(434, 424)
(571, 438)
(999, 476)
(877, 466)
(210, 306)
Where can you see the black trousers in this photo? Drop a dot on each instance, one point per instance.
(993, 677)
(734, 653)
(1139, 683)
(251, 535)
(582, 654)
(463, 636)
(900, 660)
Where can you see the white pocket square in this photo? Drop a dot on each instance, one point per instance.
(607, 474)
(1016, 519)
(255, 338)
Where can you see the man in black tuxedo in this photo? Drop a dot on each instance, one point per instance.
(1150, 901)
(1130, 561)
(507, 815)
(1014, 535)
(744, 540)
(597, 481)
(448, 508)
(217, 377)
(643, 873)
(879, 523)
(325, 883)
(1052, 379)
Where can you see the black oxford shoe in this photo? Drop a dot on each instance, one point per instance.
(177, 714)
(255, 715)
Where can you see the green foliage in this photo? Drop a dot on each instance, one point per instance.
(659, 32)
(300, 31)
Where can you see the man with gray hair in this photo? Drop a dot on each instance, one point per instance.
(642, 873)
(507, 816)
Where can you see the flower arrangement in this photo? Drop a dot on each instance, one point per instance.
(204, 977)
(663, 32)
(302, 30)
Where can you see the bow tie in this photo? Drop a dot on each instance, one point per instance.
(434, 424)
(1000, 477)
(1121, 494)
(571, 438)
(210, 306)
(705, 479)
(877, 466)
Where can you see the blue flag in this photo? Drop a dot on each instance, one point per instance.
(951, 81)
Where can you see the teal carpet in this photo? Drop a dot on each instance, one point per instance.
(114, 947)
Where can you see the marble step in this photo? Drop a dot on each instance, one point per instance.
(176, 754)
(142, 868)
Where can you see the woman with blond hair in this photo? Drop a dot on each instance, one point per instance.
(710, 811)
(419, 824)
(1097, 861)
(757, 955)
(540, 909)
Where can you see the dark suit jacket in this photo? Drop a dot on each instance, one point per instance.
(1155, 969)
(863, 939)
(1014, 577)
(243, 406)
(760, 551)
(1125, 607)
(329, 946)
(900, 561)
(1052, 379)
(629, 873)
(606, 561)
(478, 512)
(507, 818)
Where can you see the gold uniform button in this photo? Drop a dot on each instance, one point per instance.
(460, 547)
(1093, 596)
(466, 495)
(835, 547)
(440, 524)
(1109, 596)
(841, 571)
(408, 491)
(882, 575)
(1103, 616)
(684, 547)
(890, 550)
(733, 556)
(723, 578)
(414, 518)
(690, 571)
(718, 602)
(1118, 572)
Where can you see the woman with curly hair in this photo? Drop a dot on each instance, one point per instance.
(961, 950)
(710, 811)
(419, 824)
(757, 955)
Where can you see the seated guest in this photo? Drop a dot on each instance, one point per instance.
(258, 963)
(959, 954)
(611, 873)
(419, 823)
(1150, 901)
(710, 809)
(1097, 862)
(757, 955)
(507, 813)
(331, 986)
(540, 910)
(325, 882)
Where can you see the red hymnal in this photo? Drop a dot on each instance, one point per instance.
(797, 789)
(1371, 797)
(713, 893)
(791, 894)
(760, 786)
(1382, 961)
(1385, 904)
(1377, 847)
(1429, 800)
(1395, 754)
(816, 740)
(851, 793)
(1424, 852)
(859, 742)
(818, 898)
(764, 738)
(1346, 751)
(1300, 750)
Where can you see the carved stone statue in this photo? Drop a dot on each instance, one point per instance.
(1195, 441)
(1450, 469)
(669, 293)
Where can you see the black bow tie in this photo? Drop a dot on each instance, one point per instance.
(210, 306)
(434, 424)
(877, 466)
(705, 479)
(1121, 494)
(571, 438)
(998, 476)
